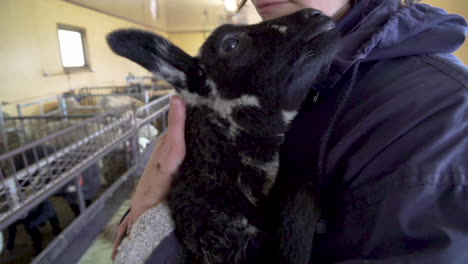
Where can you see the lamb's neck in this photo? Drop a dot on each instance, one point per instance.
(260, 151)
(270, 168)
(258, 147)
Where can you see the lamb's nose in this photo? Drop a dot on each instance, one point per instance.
(312, 13)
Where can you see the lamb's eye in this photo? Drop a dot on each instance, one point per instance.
(229, 44)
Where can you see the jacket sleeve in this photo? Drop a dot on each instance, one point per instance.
(424, 223)
(403, 191)
(167, 251)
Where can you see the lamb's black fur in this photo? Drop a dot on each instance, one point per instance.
(241, 93)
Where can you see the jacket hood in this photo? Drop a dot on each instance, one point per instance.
(385, 29)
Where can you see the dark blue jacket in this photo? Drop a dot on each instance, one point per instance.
(386, 141)
(389, 149)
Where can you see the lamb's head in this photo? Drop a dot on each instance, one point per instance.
(256, 74)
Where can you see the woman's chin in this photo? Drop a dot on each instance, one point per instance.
(272, 13)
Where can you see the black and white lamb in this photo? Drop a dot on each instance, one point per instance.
(241, 91)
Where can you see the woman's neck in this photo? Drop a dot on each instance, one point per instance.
(342, 11)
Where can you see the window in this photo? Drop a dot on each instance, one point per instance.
(72, 47)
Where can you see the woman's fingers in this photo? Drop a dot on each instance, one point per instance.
(176, 120)
(129, 228)
(170, 150)
(176, 129)
(121, 234)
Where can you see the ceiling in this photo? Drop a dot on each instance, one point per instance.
(173, 15)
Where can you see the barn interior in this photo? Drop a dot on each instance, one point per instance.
(78, 123)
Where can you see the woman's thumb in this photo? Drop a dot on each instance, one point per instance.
(176, 119)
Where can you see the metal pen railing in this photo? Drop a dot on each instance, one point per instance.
(41, 104)
(33, 172)
(19, 131)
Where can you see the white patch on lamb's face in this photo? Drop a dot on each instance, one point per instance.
(270, 168)
(223, 107)
(288, 116)
(282, 29)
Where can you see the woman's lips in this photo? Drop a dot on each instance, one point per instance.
(269, 6)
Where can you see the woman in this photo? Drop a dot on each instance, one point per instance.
(384, 139)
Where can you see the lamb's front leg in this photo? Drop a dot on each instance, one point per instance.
(296, 213)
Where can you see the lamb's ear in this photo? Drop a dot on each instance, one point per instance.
(158, 55)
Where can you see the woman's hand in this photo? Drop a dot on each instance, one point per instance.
(154, 185)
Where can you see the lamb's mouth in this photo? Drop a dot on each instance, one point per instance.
(323, 28)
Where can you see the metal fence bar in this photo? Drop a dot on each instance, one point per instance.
(90, 139)
(84, 92)
(54, 135)
(62, 105)
(71, 244)
(15, 128)
(20, 113)
(56, 184)
(148, 119)
(79, 191)
(146, 96)
(39, 102)
(51, 113)
(146, 109)
(3, 131)
(29, 118)
(21, 174)
(11, 185)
